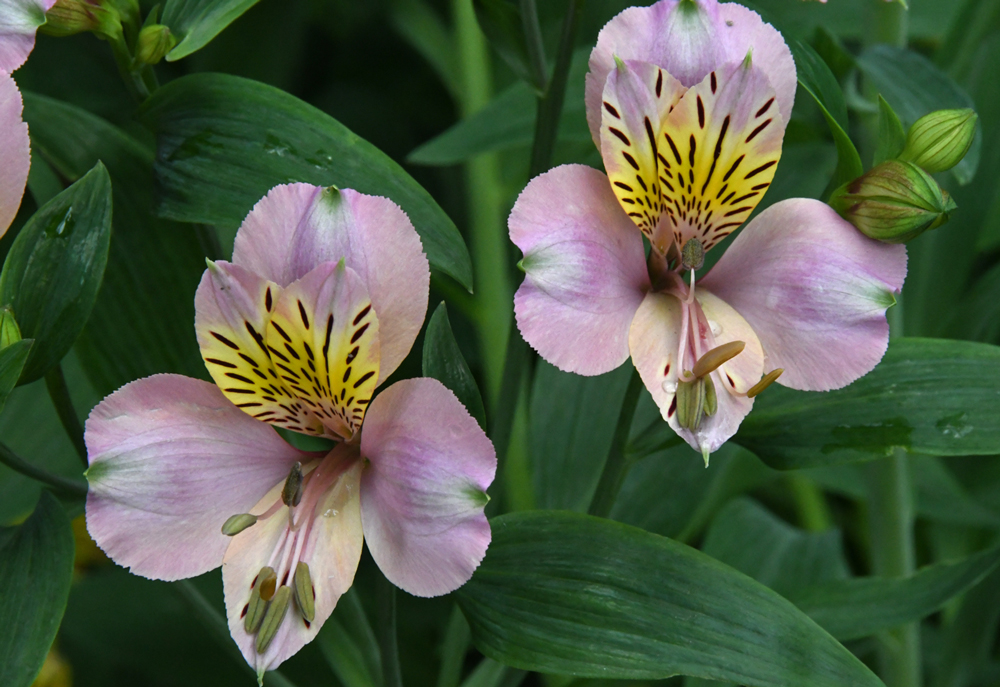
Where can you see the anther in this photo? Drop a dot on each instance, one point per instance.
(690, 404)
(711, 361)
(257, 606)
(711, 400)
(273, 618)
(267, 582)
(693, 254)
(291, 493)
(305, 597)
(238, 523)
(765, 382)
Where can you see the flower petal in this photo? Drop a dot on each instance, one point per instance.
(297, 227)
(331, 549)
(814, 289)
(19, 19)
(584, 266)
(323, 336)
(425, 488)
(170, 460)
(654, 339)
(232, 310)
(15, 151)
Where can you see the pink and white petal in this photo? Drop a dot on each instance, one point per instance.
(814, 289)
(332, 550)
(19, 19)
(742, 31)
(297, 227)
(681, 38)
(423, 493)
(15, 152)
(170, 461)
(585, 271)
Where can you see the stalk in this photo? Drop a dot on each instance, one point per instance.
(617, 464)
(58, 483)
(387, 638)
(55, 382)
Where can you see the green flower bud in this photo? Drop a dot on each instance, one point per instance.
(68, 17)
(155, 41)
(938, 141)
(893, 202)
(10, 333)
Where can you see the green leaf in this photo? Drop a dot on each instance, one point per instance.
(859, 607)
(55, 267)
(914, 87)
(795, 558)
(930, 396)
(12, 360)
(349, 645)
(569, 593)
(891, 134)
(197, 22)
(502, 24)
(443, 360)
(36, 568)
(816, 78)
(223, 142)
(142, 322)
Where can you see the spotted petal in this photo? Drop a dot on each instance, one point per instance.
(424, 491)
(331, 543)
(19, 19)
(170, 460)
(814, 289)
(297, 227)
(15, 155)
(585, 272)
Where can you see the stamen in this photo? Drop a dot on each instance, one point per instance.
(257, 606)
(273, 618)
(693, 254)
(765, 382)
(712, 360)
(305, 597)
(267, 581)
(291, 493)
(711, 400)
(237, 523)
(690, 404)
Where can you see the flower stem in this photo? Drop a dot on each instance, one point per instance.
(533, 41)
(388, 644)
(58, 483)
(55, 382)
(617, 464)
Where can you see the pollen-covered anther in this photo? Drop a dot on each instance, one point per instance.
(291, 493)
(257, 606)
(237, 523)
(767, 380)
(693, 254)
(695, 401)
(305, 592)
(273, 619)
(716, 357)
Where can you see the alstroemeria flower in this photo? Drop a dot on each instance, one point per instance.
(15, 151)
(688, 102)
(19, 20)
(324, 298)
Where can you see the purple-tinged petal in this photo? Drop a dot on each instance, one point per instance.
(425, 488)
(324, 339)
(170, 461)
(331, 548)
(297, 227)
(19, 19)
(585, 272)
(654, 339)
(15, 152)
(232, 310)
(814, 289)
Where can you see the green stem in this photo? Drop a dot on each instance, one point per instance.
(889, 24)
(617, 464)
(387, 639)
(59, 393)
(65, 485)
(134, 82)
(814, 514)
(533, 41)
(218, 628)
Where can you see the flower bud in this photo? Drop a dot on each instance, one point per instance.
(938, 141)
(10, 333)
(155, 41)
(68, 17)
(893, 202)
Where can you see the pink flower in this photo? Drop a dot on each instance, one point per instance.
(19, 19)
(688, 102)
(15, 151)
(324, 298)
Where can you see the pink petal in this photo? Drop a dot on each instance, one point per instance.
(15, 153)
(19, 19)
(654, 339)
(425, 488)
(170, 461)
(296, 227)
(814, 289)
(585, 271)
(688, 45)
(332, 550)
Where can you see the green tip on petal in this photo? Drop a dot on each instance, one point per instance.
(520, 265)
(620, 63)
(705, 453)
(748, 60)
